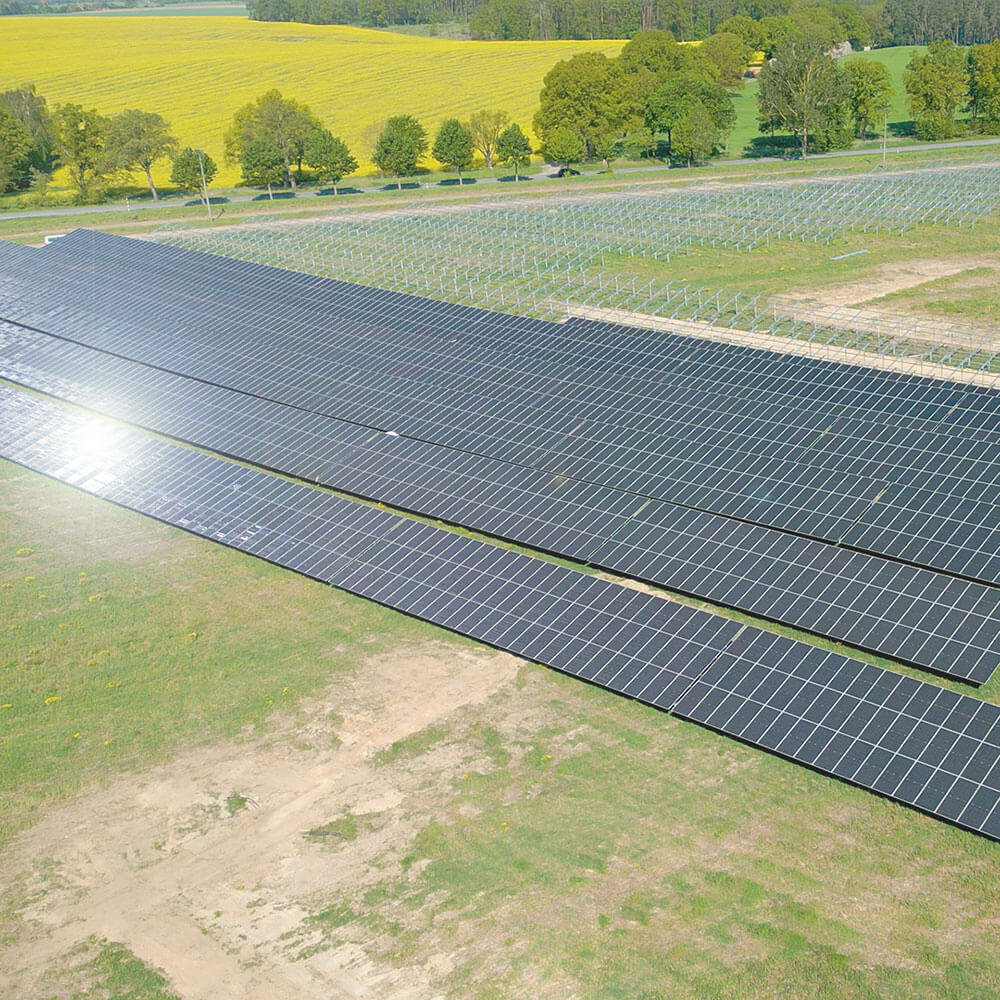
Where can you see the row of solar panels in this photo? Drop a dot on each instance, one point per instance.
(914, 615)
(883, 462)
(904, 738)
(941, 623)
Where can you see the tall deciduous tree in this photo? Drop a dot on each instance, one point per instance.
(870, 94)
(802, 90)
(263, 163)
(193, 170)
(284, 122)
(329, 157)
(587, 95)
(136, 140)
(984, 85)
(401, 144)
(30, 109)
(514, 149)
(486, 127)
(730, 55)
(936, 84)
(453, 146)
(15, 147)
(81, 135)
(653, 57)
(672, 102)
(694, 134)
(564, 146)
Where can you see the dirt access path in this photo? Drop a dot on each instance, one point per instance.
(220, 900)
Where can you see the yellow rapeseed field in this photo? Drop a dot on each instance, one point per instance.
(196, 71)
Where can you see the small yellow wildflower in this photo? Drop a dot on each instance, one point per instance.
(107, 743)
(8, 705)
(29, 579)
(95, 597)
(76, 736)
(24, 551)
(53, 698)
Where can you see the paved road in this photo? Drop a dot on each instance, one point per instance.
(131, 206)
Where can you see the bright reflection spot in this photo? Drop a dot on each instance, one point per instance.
(93, 442)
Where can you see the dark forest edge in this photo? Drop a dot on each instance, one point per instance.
(882, 23)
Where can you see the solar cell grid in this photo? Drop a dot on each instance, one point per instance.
(689, 454)
(842, 594)
(903, 738)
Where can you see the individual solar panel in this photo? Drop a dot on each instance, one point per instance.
(888, 608)
(796, 494)
(905, 739)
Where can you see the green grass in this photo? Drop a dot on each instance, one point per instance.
(618, 853)
(116, 974)
(124, 639)
(794, 264)
(565, 841)
(973, 295)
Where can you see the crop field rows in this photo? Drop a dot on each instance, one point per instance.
(551, 260)
(202, 70)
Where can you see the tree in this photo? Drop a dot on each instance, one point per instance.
(31, 110)
(136, 140)
(694, 134)
(586, 95)
(453, 146)
(193, 170)
(653, 57)
(15, 147)
(263, 162)
(747, 29)
(870, 94)
(936, 84)
(564, 146)
(402, 142)
(285, 123)
(984, 85)
(486, 127)
(514, 149)
(672, 102)
(81, 137)
(501, 20)
(730, 55)
(802, 90)
(329, 157)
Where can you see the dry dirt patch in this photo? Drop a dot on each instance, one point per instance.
(216, 892)
(893, 277)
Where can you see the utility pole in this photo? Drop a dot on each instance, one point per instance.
(885, 132)
(204, 187)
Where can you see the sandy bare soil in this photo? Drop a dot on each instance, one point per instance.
(219, 899)
(897, 277)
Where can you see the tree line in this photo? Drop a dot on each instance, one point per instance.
(661, 97)
(273, 139)
(879, 23)
(656, 98)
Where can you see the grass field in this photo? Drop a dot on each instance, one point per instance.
(197, 71)
(546, 840)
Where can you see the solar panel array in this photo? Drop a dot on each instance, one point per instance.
(895, 465)
(940, 623)
(903, 738)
